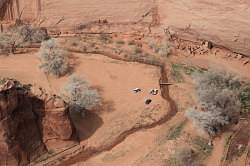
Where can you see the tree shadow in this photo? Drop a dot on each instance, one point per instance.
(28, 118)
(73, 63)
(106, 105)
(85, 126)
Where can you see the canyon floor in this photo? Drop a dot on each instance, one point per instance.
(117, 46)
(124, 131)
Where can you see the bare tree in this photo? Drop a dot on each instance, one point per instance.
(55, 60)
(79, 95)
(19, 36)
(11, 40)
(219, 100)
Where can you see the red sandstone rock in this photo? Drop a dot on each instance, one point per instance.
(27, 122)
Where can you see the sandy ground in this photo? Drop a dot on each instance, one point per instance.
(146, 151)
(219, 61)
(122, 110)
(217, 154)
(24, 68)
(141, 148)
(77, 12)
(81, 11)
(223, 22)
(115, 80)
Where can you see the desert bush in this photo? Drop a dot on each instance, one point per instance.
(177, 71)
(145, 58)
(137, 50)
(32, 34)
(105, 38)
(10, 40)
(218, 95)
(184, 157)
(245, 100)
(131, 43)
(161, 48)
(19, 36)
(55, 60)
(175, 131)
(120, 42)
(217, 79)
(210, 122)
(202, 147)
(79, 95)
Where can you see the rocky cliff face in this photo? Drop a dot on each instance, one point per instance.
(28, 121)
(79, 11)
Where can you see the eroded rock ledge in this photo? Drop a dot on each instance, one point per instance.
(29, 120)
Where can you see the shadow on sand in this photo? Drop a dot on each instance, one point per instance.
(85, 126)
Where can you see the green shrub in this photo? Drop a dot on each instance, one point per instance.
(245, 100)
(175, 131)
(177, 71)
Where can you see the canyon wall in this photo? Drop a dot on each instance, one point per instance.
(224, 22)
(74, 12)
(26, 9)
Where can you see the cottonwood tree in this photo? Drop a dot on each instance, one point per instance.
(219, 100)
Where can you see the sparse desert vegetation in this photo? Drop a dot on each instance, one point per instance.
(54, 59)
(177, 71)
(79, 95)
(220, 96)
(191, 156)
(183, 157)
(21, 36)
(119, 83)
(175, 131)
(161, 48)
